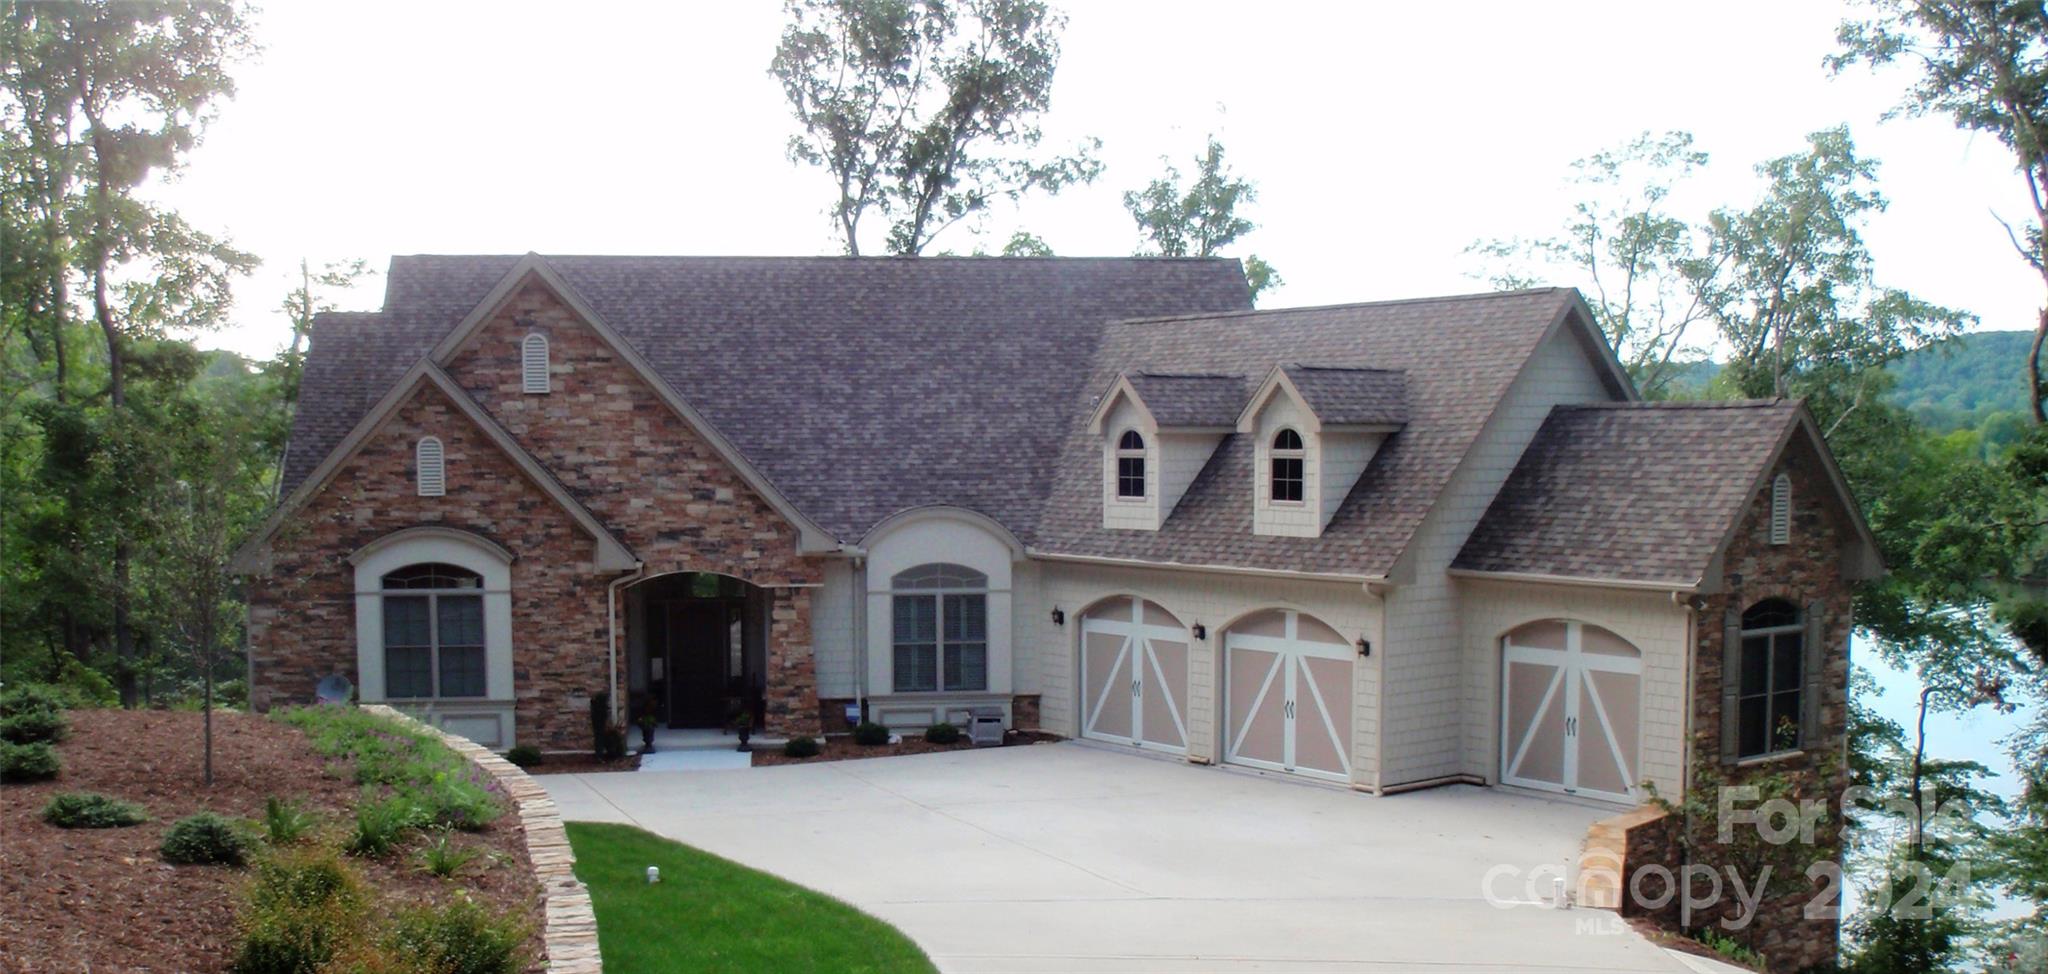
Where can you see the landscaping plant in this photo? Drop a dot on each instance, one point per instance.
(942, 733)
(867, 733)
(33, 726)
(20, 763)
(444, 787)
(443, 857)
(86, 810)
(205, 839)
(303, 909)
(382, 824)
(800, 747)
(525, 755)
(285, 822)
(460, 938)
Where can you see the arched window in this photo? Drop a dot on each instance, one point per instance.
(1288, 480)
(431, 473)
(1770, 679)
(533, 363)
(939, 627)
(1781, 509)
(433, 632)
(1130, 465)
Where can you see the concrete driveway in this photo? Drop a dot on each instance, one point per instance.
(1072, 857)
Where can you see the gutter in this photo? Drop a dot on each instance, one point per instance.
(1642, 585)
(1043, 555)
(611, 643)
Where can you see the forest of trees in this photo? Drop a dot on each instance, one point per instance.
(131, 461)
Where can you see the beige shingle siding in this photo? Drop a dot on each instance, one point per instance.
(1434, 690)
(832, 629)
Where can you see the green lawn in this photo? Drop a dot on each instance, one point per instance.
(709, 914)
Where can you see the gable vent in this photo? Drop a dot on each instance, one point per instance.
(534, 363)
(432, 475)
(1781, 509)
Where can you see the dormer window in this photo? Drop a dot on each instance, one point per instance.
(1287, 462)
(1130, 466)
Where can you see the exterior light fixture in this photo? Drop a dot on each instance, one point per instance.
(1364, 646)
(1058, 618)
(1201, 632)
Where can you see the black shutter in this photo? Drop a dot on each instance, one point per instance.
(1731, 683)
(1814, 664)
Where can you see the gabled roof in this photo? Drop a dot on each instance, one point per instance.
(856, 387)
(1648, 493)
(1177, 402)
(1352, 397)
(610, 553)
(1457, 355)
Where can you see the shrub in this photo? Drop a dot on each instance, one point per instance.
(205, 839)
(870, 734)
(33, 726)
(942, 733)
(27, 762)
(611, 744)
(801, 747)
(285, 822)
(468, 803)
(85, 810)
(460, 938)
(32, 697)
(302, 910)
(525, 755)
(443, 858)
(382, 824)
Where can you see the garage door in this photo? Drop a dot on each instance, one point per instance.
(1571, 709)
(1134, 676)
(1287, 681)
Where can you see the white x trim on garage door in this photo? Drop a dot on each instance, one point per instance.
(1570, 710)
(1288, 684)
(1134, 676)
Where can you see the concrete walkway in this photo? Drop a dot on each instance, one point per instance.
(1071, 857)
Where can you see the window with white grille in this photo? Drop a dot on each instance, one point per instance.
(534, 363)
(431, 467)
(1781, 509)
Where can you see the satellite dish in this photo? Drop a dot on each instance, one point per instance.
(334, 689)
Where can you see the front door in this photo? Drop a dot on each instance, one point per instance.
(698, 655)
(1570, 710)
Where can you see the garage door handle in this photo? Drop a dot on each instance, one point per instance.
(1134, 688)
(1290, 710)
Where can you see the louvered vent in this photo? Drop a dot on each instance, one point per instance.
(534, 363)
(433, 473)
(1781, 510)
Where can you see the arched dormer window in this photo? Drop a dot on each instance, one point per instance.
(1130, 465)
(430, 467)
(1288, 481)
(1781, 509)
(533, 364)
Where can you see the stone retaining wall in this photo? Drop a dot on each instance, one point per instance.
(570, 937)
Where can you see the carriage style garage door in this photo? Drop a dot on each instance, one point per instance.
(1571, 699)
(1288, 687)
(1134, 676)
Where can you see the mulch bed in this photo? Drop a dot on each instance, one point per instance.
(583, 764)
(842, 748)
(103, 900)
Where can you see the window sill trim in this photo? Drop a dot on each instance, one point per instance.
(1769, 757)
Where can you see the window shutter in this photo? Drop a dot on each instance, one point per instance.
(431, 469)
(534, 363)
(1781, 509)
(1813, 666)
(1731, 682)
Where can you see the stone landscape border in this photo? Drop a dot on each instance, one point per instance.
(570, 937)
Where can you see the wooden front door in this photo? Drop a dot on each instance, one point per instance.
(699, 652)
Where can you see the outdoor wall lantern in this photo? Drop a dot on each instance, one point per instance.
(1364, 646)
(1201, 632)
(1058, 618)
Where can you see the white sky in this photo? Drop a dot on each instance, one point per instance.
(1384, 137)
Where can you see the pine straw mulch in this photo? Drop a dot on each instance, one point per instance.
(103, 900)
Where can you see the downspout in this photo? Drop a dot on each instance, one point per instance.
(860, 635)
(611, 643)
(1378, 591)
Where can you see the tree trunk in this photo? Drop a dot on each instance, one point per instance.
(2034, 369)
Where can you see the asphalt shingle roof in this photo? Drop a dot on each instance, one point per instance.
(857, 386)
(1352, 396)
(1457, 356)
(1632, 491)
(1191, 400)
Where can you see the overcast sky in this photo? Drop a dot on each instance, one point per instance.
(1384, 138)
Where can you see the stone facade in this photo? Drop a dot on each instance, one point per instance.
(610, 439)
(302, 610)
(1806, 571)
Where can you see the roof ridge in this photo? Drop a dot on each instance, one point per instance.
(1686, 404)
(1186, 375)
(1341, 368)
(1395, 302)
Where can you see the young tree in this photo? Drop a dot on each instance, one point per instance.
(126, 89)
(925, 111)
(313, 296)
(1202, 219)
(1639, 261)
(1984, 63)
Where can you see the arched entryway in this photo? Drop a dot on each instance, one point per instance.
(1571, 710)
(1287, 695)
(697, 649)
(1134, 675)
